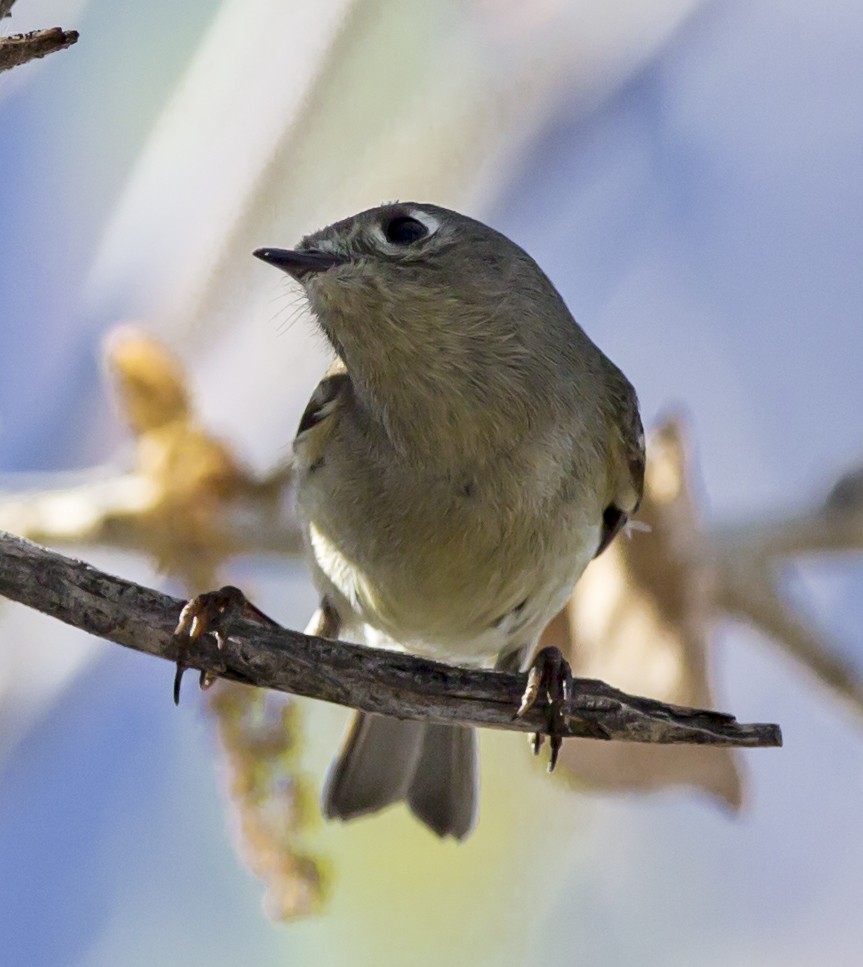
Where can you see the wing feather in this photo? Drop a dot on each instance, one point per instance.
(627, 466)
(316, 419)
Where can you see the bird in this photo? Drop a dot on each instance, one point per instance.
(462, 460)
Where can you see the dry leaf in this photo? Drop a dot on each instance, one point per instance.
(194, 479)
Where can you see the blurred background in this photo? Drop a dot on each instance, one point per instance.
(688, 174)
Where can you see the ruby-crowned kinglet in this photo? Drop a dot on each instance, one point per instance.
(462, 461)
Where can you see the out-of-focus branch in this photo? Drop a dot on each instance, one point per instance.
(189, 502)
(372, 680)
(749, 593)
(90, 511)
(748, 561)
(826, 530)
(113, 511)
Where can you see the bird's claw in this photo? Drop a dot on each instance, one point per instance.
(549, 677)
(213, 611)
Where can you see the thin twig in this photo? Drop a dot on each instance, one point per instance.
(364, 678)
(20, 48)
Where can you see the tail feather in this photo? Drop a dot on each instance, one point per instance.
(374, 767)
(443, 793)
(384, 760)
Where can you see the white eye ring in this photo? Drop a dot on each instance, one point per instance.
(429, 222)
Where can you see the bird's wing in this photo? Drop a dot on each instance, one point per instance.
(316, 421)
(627, 464)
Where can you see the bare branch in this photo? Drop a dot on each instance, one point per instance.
(20, 48)
(113, 509)
(335, 671)
(747, 590)
(748, 559)
(811, 531)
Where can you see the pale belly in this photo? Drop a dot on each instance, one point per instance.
(464, 585)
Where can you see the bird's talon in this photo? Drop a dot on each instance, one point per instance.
(178, 678)
(214, 612)
(206, 680)
(531, 691)
(183, 621)
(550, 677)
(554, 744)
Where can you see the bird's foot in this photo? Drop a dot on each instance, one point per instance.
(549, 678)
(215, 612)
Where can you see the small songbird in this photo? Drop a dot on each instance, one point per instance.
(463, 459)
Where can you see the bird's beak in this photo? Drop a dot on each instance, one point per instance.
(299, 264)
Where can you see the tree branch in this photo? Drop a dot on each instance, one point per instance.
(364, 678)
(747, 591)
(21, 48)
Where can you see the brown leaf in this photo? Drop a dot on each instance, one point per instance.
(195, 478)
(194, 475)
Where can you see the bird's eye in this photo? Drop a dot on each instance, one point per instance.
(402, 230)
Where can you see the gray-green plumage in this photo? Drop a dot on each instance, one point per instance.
(461, 463)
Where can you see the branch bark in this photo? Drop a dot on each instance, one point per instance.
(334, 671)
(21, 48)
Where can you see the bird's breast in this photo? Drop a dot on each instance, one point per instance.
(455, 569)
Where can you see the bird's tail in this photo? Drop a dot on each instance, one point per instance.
(383, 760)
